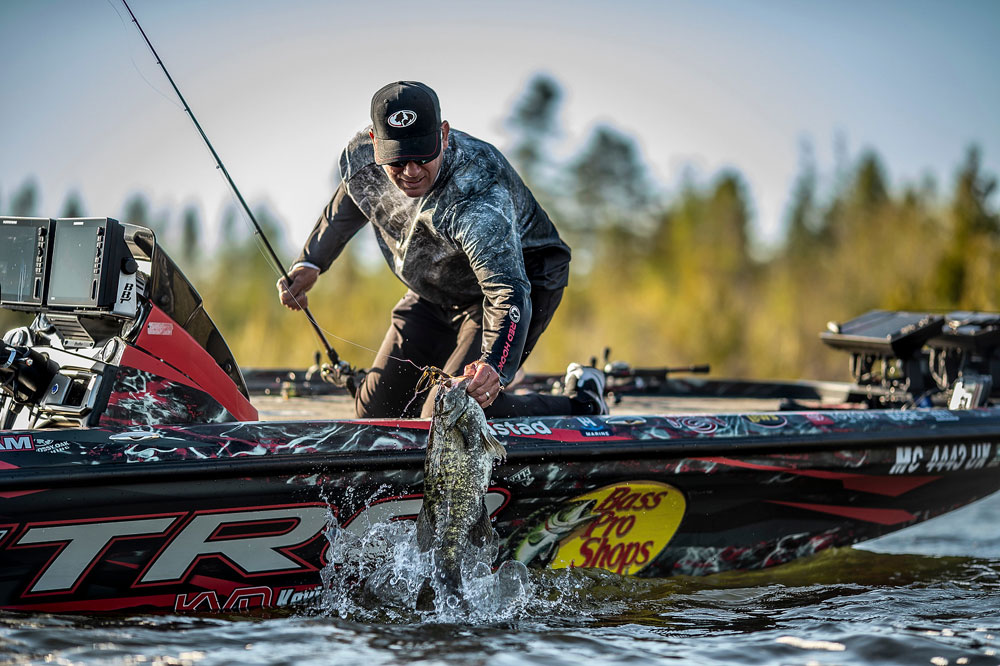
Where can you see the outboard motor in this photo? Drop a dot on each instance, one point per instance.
(120, 335)
(922, 359)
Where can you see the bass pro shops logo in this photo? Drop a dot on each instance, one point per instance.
(403, 118)
(621, 528)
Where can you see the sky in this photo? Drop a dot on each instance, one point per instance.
(280, 86)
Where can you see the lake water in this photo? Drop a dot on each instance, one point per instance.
(926, 595)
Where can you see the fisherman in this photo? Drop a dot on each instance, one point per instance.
(484, 266)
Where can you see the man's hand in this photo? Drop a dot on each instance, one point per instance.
(485, 385)
(303, 278)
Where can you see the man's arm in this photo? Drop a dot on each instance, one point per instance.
(487, 232)
(340, 220)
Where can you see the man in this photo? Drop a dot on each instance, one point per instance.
(484, 266)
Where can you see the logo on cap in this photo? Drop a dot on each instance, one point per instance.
(403, 118)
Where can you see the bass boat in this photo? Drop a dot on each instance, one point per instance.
(135, 474)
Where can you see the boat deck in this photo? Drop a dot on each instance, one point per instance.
(321, 407)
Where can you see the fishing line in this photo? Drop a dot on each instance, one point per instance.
(331, 353)
(341, 371)
(309, 314)
(135, 66)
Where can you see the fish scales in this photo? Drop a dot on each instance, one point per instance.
(457, 467)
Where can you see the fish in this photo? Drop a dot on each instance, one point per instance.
(457, 467)
(539, 546)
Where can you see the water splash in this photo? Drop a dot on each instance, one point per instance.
(377, 574)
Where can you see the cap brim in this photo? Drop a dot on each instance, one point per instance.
(425, 147)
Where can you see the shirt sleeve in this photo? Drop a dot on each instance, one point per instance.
(486, 231)
(341, 219)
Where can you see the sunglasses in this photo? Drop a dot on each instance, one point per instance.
(402, 163)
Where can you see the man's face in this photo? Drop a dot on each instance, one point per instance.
(414, 179)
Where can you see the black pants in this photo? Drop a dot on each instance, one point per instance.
(429, 334)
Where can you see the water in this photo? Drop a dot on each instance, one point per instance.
(927, 595)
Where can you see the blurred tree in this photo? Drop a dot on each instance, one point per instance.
(974, 228)
(971, 206)
(611, 183)
(136, 211)
(803, 223)
(227, 228)
(870, 189)
(190, 235)
(727, 226)
(73, 206)
(24, 202)
(534, 124)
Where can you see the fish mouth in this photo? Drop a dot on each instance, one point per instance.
(451, 413)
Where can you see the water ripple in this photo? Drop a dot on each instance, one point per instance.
(881, 607)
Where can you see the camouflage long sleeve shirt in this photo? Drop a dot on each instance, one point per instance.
(477, 235)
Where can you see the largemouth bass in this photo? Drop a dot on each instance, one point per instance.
(460, 455)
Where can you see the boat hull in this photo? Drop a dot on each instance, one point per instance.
(232, 517)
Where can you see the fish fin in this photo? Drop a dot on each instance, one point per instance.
(493, 445)
(425, 531)
(482, 531)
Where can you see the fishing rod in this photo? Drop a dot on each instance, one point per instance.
(340, 372)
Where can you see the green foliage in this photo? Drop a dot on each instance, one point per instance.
(661, 281)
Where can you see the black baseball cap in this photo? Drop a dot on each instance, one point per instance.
(406, 121)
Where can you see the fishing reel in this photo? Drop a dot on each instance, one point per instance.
(343, 375)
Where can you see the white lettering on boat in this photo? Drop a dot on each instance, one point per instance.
(940, 458)
(244, 598)
(80, 546)
(515, 429)
(204, 536)
(17, 443)
(253, 541)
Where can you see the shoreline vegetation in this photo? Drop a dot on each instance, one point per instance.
(661, 279)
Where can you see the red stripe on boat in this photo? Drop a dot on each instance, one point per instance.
(890, 486)
(221, 585)
(10, 494)
(879, 516)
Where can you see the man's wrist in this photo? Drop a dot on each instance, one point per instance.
(493, 367)
(304, 264)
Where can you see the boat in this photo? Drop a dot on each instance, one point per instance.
(136, 476)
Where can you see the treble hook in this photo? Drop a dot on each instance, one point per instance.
(432, 375)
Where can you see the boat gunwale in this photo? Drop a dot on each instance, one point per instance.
(522, 450)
